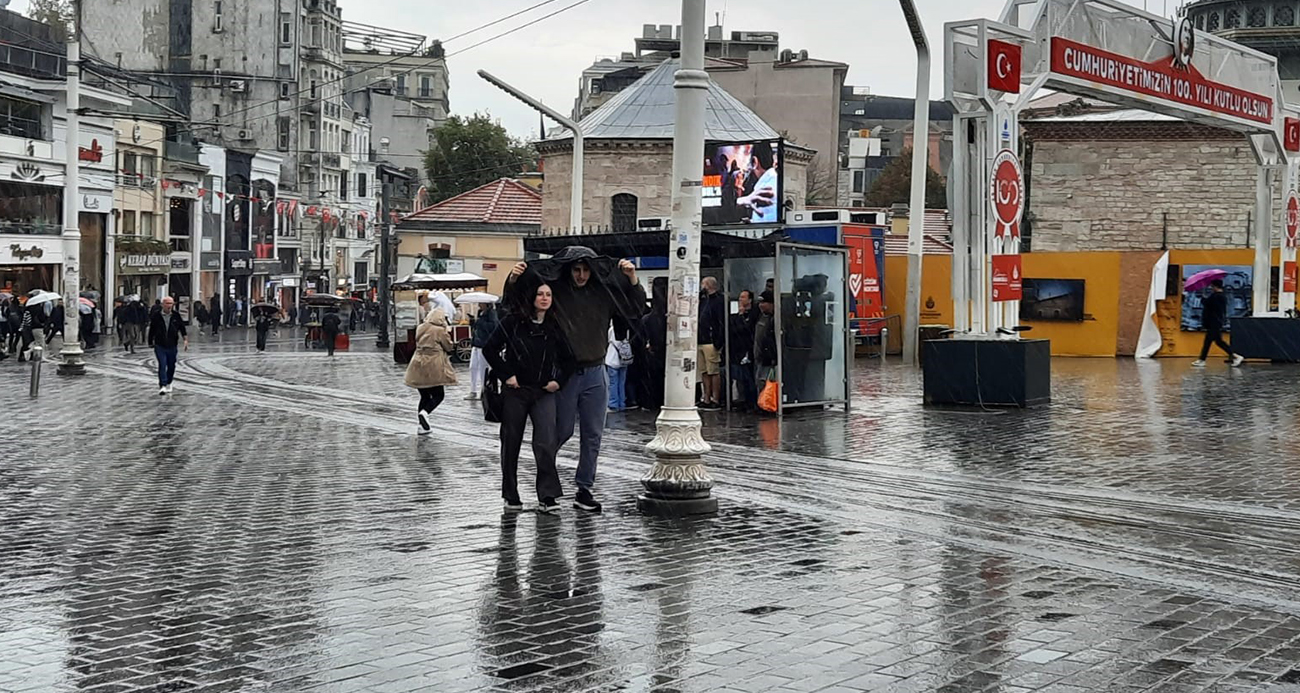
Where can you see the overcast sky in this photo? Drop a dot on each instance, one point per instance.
(547, 59)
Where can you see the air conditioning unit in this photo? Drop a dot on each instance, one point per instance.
(654, 224)
(819, 217)
(238, 86)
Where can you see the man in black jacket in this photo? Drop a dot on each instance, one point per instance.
(166, 332)
(740, 358)
(591, 294)
(1214, 316)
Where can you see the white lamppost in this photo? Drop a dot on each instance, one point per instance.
(72, 363)
(575, 185)
(679, 484)
(920, 167)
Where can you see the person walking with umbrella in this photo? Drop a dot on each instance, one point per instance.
(486, 324)
(430, 370)
(54, 325)
(1214, 317)
(329, 326)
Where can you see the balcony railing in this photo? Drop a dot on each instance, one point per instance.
(135, 180)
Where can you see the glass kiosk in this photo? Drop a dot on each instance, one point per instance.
(810, 314)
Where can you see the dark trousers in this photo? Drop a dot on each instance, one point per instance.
(14, 338)
(519, 405)
(742, 374)
(431, 397)
(261, 338)
(166, 364)
(1214, 336)
(330, 339)
(216, 325)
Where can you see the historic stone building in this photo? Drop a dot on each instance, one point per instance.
(629, 154)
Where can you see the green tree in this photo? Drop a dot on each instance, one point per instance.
(895, 185)
(56, 13)
(467, 152)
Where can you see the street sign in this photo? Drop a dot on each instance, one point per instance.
(1007, 280)
(1292, 218)
(1008, 194)
(1004, 66)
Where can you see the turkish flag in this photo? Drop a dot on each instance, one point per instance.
(1004, 66)
(1291, 134)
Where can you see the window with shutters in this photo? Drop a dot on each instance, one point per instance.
(623, 209)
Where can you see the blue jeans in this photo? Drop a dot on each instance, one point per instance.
(617, 388)
(166, 364)
(582, 402)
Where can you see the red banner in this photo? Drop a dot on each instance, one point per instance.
(1004, 66)
(1159, 78)
(1289, 277)
(864, 277)
(1007, 284)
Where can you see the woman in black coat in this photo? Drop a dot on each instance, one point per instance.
(531, 357)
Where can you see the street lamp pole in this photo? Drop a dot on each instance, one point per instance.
(385, 227)
(679, 484)
(575, 185)
(72, 363)
(920, 168)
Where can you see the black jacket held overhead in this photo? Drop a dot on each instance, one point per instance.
(532, 353)
(166, 330)
(583, 313)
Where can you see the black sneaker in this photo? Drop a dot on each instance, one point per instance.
(548, 506)
(512, 505)
(584, 501)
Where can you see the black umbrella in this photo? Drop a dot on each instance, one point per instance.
(261, 308)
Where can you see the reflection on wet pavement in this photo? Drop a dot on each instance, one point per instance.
(273, 526)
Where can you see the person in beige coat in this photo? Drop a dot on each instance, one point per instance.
(430, 370)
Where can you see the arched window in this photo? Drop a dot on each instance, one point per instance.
(1232, 19)
(1212, 24)
(1283, 16)
(1256, 17)
(623, 212)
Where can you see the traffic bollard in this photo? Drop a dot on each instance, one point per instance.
(38, 356)
(884, 343)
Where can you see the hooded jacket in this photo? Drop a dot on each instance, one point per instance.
(534, 354)
(431, 364)
(585, 313)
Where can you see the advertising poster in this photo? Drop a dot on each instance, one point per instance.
(865, 283)
(1007, 284)
(743, 183)
(1052, 299)
(1238, 285)
(1289, 277)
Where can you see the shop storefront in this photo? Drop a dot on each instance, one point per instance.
(180, 283)
(239, 272)
(143, 271)
(209, 275)
(30, 262)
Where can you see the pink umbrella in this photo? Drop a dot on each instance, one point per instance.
(86, 302)
(1200, 280)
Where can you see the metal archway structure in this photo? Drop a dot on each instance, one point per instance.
(1119, 54)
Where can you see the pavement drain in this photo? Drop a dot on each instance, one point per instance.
(760, 610)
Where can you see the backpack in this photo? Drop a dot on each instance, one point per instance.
(624, 349)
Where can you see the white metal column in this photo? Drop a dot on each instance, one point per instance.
(1262, 239)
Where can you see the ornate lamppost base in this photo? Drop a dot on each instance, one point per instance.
(71, 365)
(678, 485)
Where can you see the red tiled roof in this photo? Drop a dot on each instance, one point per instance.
(504, 201)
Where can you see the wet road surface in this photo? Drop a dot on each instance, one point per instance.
(275, 526)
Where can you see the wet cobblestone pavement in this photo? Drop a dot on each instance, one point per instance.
(275, 526)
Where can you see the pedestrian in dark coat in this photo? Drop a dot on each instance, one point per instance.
(530, 354)
(329, 326)
(54, 325)
(166, 333)
(214, 314)
(263, 326)
(1214, 318)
